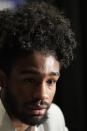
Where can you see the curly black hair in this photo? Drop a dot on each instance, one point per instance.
(36, 27)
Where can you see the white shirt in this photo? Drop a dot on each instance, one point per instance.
(55, 121)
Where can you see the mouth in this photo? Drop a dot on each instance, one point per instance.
(36, 110)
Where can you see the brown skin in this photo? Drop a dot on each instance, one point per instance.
(30, 88)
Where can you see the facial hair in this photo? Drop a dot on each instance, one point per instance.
(15, 109)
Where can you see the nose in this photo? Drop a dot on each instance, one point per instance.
(41, 92)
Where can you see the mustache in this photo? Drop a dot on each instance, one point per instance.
(37, 104)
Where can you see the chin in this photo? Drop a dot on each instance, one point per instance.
(33, 120)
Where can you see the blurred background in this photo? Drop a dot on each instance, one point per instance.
(71, 90)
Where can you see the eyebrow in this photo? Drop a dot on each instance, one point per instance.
(35, 72)
(54, 74)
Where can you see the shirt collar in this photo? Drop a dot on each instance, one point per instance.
(5, 122)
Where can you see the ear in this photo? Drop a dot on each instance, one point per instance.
(2, 79)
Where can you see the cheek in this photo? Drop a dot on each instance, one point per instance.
(20, 92)
(52, 94)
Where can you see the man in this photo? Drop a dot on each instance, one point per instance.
(36, 42)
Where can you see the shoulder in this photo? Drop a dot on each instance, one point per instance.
(55, 108)
(55, 112)
(55, 119)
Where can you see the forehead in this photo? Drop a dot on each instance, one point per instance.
(38, 63)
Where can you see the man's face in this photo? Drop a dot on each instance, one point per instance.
(31, 87)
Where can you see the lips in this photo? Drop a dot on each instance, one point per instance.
(36, 110)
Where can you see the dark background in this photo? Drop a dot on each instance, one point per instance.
(71, 96)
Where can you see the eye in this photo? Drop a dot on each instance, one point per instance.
(51, 82)
(29, 81)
